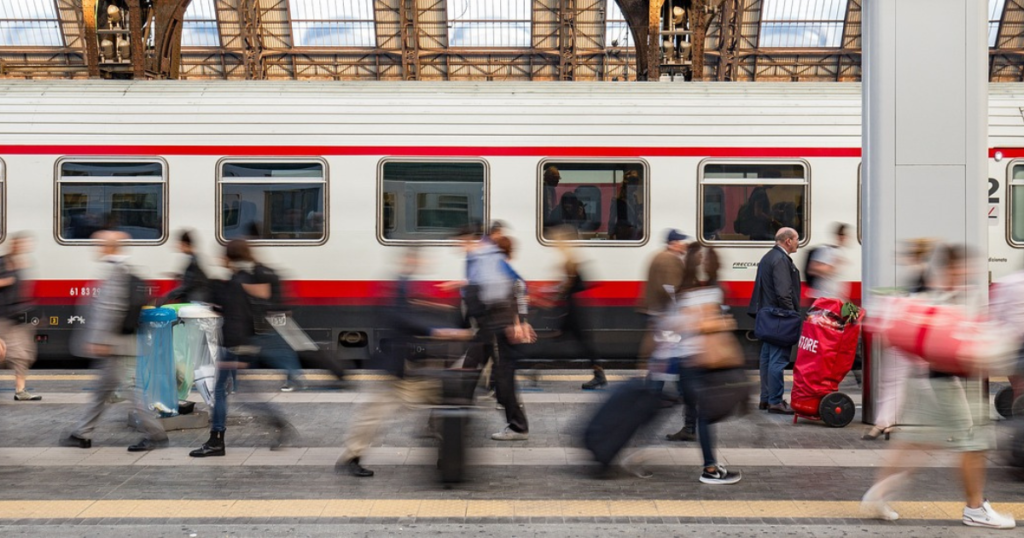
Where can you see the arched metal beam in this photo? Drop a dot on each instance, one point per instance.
(167, 20)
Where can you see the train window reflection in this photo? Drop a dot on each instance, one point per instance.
(430, 200)
(128, 196)
(1017, 204)
(752, 201)
(274, 201)
(594, 201)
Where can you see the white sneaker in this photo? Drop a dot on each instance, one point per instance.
(985, 516)
(874, 506)
(508, 434)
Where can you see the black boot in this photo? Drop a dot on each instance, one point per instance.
(213, 447)
(685, 434)
(353, 468)
(598, 381)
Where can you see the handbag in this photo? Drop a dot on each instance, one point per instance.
(720, 349)
(778, 326)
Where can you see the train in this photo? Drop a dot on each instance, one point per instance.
(333, 179)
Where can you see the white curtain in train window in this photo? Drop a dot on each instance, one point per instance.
(430, 200)
(1017, 203)
(29, 23)
(123, 195)
(273, 201)
(752, 201)
(593, 201)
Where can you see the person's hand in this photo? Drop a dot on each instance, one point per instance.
(98, 350)
(451, 285)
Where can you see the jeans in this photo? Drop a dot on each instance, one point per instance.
(277, 354)
(218, 422)
(773, 363)
(505, 360)
(690, 380)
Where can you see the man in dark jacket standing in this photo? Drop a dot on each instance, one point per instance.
(777, 286)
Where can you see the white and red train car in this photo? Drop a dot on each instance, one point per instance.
(334, 178)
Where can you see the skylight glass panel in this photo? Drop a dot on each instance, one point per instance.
(199, 29)
(29, 23)
(616, 33)
(332, 23)
(802, 23)
(489, 23)
(995, 14)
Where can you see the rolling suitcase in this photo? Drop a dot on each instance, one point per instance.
(630, 406)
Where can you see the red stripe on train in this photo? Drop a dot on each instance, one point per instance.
(428, 151)
(370, 292)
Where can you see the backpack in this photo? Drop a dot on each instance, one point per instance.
(812, 280)
(138, 297)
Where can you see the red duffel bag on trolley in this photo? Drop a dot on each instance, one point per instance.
(946, 336)
(825, 354)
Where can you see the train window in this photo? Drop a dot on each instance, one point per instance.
(746, 201)
(593, 201)
(281, 201)
(129, 196)
(430, 200)
(1017, 203)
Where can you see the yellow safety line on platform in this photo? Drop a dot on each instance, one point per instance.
(449, 508)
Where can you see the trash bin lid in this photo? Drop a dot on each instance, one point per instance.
(157, 315)
(176, 307)
(196, 311)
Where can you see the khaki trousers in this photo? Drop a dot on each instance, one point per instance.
(406, 393)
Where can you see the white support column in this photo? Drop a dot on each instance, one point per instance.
(925, 137)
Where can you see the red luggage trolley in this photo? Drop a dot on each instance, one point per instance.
(826, 351)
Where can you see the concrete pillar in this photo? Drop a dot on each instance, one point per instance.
(925, 138)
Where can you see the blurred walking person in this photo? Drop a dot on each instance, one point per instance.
(664, 276)
(777, 285)
(947, 411)
(193, 284)
(824, 264)
(15, 310)
(406, 389)
(574, 321)
(109, 337)
(244, 301)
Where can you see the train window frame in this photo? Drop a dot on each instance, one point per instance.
(164, 180)
(380, 225)
(3, 201)
(219, 197)
(1009, 201)
(860, 203)
(747, 243)
(538, 208)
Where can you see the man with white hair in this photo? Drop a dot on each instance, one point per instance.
(777, 285)
(106, 337)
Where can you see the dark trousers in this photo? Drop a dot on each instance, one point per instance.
(218, 422)
(504, 375)
(690, 381)
(573, 325)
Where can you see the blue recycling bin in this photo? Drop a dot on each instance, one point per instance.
(155, 374)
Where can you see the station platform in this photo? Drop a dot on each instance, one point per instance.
(801, 480)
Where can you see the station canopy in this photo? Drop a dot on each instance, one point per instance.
(767, 40)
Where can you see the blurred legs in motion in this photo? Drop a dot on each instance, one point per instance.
(401, 393)
(110, 380)
(505, 391)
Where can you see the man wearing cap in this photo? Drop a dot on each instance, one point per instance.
(664, 276)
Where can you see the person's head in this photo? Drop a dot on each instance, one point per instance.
(552, 176)
(468, 237)
(237, 251)
(951, 262)
(412, 260)
(109, 242)
(21, 243)
(506, 245)
(691, 266)
(787, 239)
(185, 239)
(497, 230)
(841, 234)
(676, 241)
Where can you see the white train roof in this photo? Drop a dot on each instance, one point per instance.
(663, 114)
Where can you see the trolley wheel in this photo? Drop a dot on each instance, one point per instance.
(1004, 402)
(836, 410)
(1018, 406)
